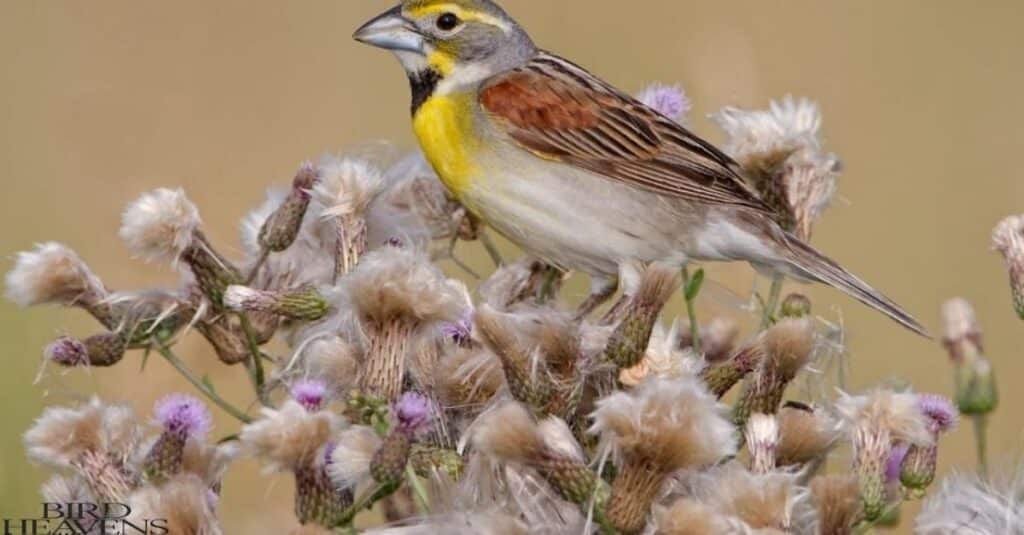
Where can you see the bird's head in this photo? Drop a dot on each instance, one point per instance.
(457, 42)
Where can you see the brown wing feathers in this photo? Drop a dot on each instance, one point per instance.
(555, 108)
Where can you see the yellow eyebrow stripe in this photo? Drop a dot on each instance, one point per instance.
(458, 11)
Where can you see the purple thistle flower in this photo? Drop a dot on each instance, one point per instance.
(460, 331)
(182, 414)
(412, 412)
(668, 100)
(940, 411)
(895, 464)
(310, 393)
(67, 351)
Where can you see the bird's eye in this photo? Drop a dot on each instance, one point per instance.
(447, 22)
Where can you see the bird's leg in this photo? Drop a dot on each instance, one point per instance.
(600, 291)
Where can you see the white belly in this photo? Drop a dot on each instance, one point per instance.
(577, 220)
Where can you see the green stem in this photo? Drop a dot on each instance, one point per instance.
(255, 363)
(418, 490)
(366, 500)
(491, 247)
(980, 422)
(691, 313)
(184, 370)
(768, 316)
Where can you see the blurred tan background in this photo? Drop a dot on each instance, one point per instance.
(103, 100)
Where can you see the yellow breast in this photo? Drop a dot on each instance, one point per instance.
(444, 127)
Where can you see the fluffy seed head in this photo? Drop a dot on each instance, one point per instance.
(668, 100)
(1008, 239)
(185, 502)
(310, 393)
(469, 377)
(761, 501)
(785, 127)
(184, 415)
(899, 413)
(690, 517)
(836, 499)
(805, 435)
(507, 432)
(62, 435)
(290, 437)
(663, 359)
(160, 225)
(967, 504)
(351, 457)
(333, 360)
(62, 489)
(780, 149)
(347, 186)
(671, 424)
(789, 345)
(392, 284)
(51, 273)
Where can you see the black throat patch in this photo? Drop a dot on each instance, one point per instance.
(422, 84)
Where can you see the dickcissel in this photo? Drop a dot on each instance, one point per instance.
(570, 168)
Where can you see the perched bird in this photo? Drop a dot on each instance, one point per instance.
(572, 169)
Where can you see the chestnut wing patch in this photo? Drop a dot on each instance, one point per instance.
(560, 111)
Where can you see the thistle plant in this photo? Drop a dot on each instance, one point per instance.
(490, 403)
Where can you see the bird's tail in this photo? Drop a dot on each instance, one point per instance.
(812, 264)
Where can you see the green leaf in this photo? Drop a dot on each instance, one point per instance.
(694, 285)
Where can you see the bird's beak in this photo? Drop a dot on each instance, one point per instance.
(391, 31)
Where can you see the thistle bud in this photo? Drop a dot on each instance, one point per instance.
(1008, 239)
(795, 306)
(305, 304)
(629, 341)
(411, 414)
(722, 377)
(427, 459)
(101, 350)
(282, 227)
(181, 417)
(963, 337)
(228, 340)
(527, 377)
(977, 393)
(788, 347)
(317, 502)
(717, 338)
